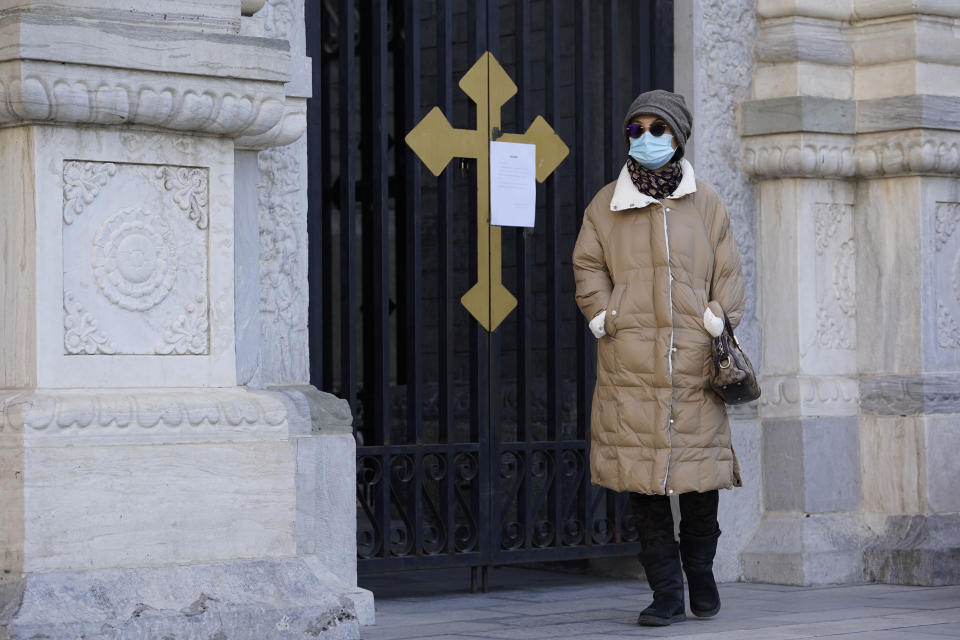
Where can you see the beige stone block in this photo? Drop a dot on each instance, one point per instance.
(143, 505)
(147, 45)
(893, 464)
(906, 78)
(777, 254)
(208, 8)
(11, 507)
(906, 37)
(943, 467)
(784, 79)
(18, 323)
(889, 265)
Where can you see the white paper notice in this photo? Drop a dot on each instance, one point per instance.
(513, 188)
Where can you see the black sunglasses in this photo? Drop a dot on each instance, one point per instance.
(657, 129)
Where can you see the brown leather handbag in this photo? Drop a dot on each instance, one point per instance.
(733, 377)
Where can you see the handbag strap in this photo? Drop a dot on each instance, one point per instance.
(728, 328)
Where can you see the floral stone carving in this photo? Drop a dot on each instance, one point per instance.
(189, 188)
(82, 182)
(81, 333)
(137, 258)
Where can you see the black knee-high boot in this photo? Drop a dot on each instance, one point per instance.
(697, 553)
(662, 566)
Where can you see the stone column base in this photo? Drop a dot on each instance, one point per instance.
(805, 549)
(239, 600)
(916, 549)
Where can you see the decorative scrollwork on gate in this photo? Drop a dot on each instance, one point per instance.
(465, 489)
(572, 469)
(402, 528)
(369, 477)
(434, 523)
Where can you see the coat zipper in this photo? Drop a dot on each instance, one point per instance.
(666, 239)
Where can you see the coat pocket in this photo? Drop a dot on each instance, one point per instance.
(613, 310)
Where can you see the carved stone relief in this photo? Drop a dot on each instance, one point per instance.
(82, 335)
(81, 184)
(723, 64)
(44, 91)
(282, 204)
(836, 276)
(947, 274)
(284, 295)
(135, 262)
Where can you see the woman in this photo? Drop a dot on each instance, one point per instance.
(655, 249)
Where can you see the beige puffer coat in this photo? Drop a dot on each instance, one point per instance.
(656, 426)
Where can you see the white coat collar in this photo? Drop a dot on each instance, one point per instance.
(627, 196)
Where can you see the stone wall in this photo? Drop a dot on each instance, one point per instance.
(849, 137)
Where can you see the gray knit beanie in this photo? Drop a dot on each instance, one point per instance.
(669, 106)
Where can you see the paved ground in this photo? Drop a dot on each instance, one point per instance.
(523, 603)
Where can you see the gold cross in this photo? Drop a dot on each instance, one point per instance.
(436, 142)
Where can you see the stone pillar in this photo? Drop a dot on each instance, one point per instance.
(154, 480)
(852, 173)
(712, 70)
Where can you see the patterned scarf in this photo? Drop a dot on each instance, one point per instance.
(656, 184)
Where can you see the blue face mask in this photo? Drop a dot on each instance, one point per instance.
(652, 152)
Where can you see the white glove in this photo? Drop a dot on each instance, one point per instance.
(712, 323)
(596, 325)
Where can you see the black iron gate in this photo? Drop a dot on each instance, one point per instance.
(472, 446)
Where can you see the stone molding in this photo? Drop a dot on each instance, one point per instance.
(868, 155)
(327, 413)
(809, 114)
(908, 153)
(292, 125)
(125, 416)
(50, 92)
(910, 395)
(799, 155)
(813, 114)
(182, 44)
(796, 396)
(869, 9)
(769, 9)
(829, 34)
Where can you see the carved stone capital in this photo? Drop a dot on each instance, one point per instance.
(908, 153)
(799, 155)
(289, 129)
(48, 92)
(865, 155)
